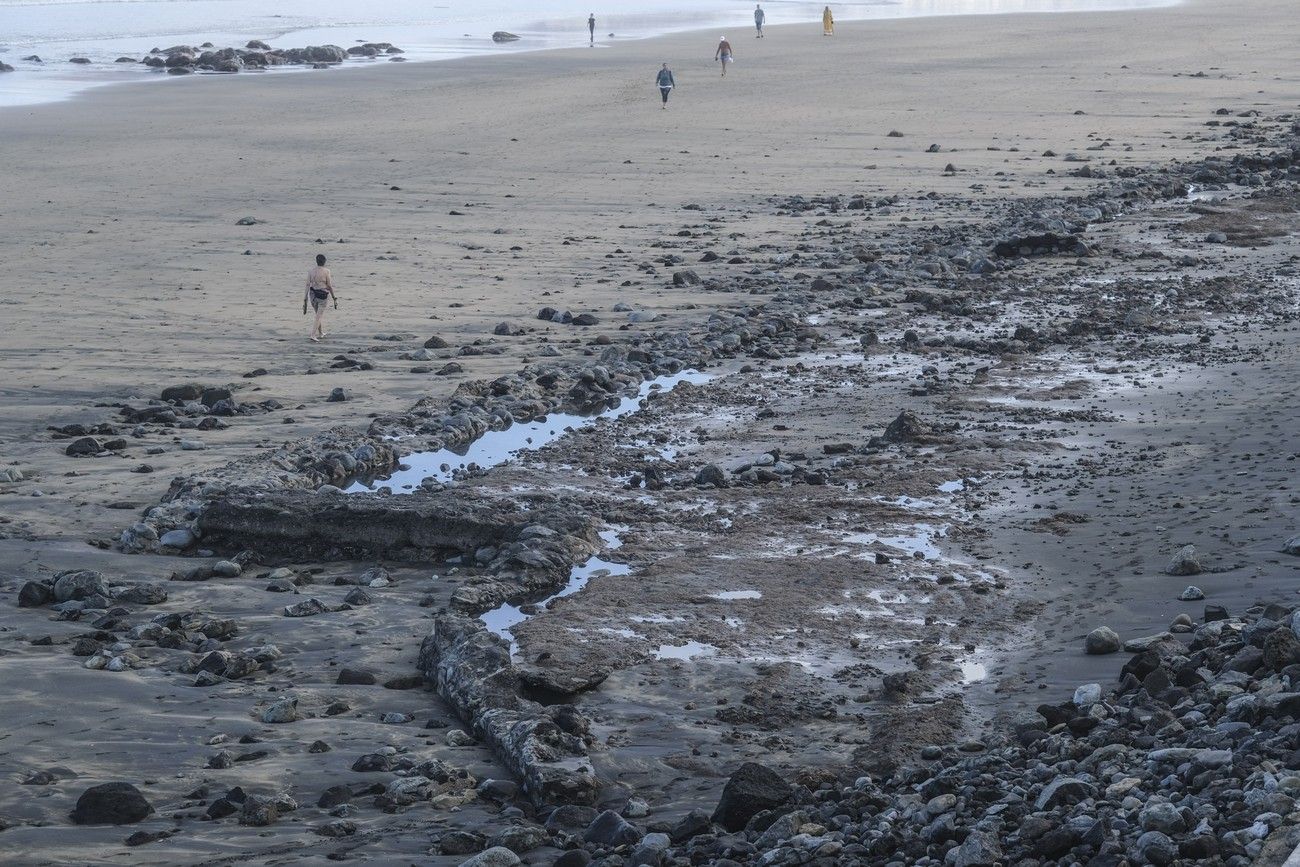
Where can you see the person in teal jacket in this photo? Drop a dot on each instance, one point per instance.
(666, 83)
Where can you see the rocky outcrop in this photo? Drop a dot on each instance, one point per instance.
(544, 746)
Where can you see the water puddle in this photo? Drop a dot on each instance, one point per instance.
(505, 617)
(499, 446)
(689, 650)
(655, 618)
(913, 503)
(972, 671)
(921, 540)
(728, 595)
(1199, 194)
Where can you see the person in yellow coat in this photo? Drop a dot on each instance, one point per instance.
(828, 22)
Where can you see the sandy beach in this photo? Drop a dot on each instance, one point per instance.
(1051, 476)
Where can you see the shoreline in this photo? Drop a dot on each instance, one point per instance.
(75, 88)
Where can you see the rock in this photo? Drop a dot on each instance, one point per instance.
(355, 677)
(750, 790)
(573, 818)
(111, 804)
(259, 811)
(712, 474)
(980, 849)
(1192, 594)
(182, 393)
(34, 594)
(686, 278)
(460, 843)
(503, 36)
(436, 342)
(283, 711)
(143, 594)
(83, 446)
(906, 428)
(611, 829)
(227, 569)
(1281, 648)
(306, 608)
(1087, 695)
(497, 856)
(337, 395)
(1101, 641)
(1161, 816)
(518, 838)
(1157, 848)
(193, 445)
(4, 67)
(1185, 562)
(1063, 791)
(357, 597)
(459, 738)
(1292, 545)
(180, 538)
(79, 584)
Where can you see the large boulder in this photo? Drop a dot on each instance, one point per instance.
(503, 36)
(1101, 641)
(111, 804)
(1185, 562)
(907, 428)
(752, 789)
(611, 829)
(184, 392)
(1281, 648)
(79, 584)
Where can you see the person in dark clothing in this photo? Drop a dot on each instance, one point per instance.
(591, 27)
(723, 54)
(759, 17)
(666, 83)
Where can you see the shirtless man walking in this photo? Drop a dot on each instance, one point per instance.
(320, 290)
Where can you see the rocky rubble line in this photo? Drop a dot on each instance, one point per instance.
(477, 406)
(1193, 757)
(523, 554)
(256, 55)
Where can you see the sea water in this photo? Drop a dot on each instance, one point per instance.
(103, 30)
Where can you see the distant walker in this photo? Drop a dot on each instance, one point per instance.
(664, 80)
(591, 28)
(320, 290)
(759, 17)
(828, 22)
(723, 54)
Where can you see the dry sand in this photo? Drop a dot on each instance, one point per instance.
(126, 273)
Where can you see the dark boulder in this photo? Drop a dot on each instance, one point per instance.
(111, 804)
(752, 789)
